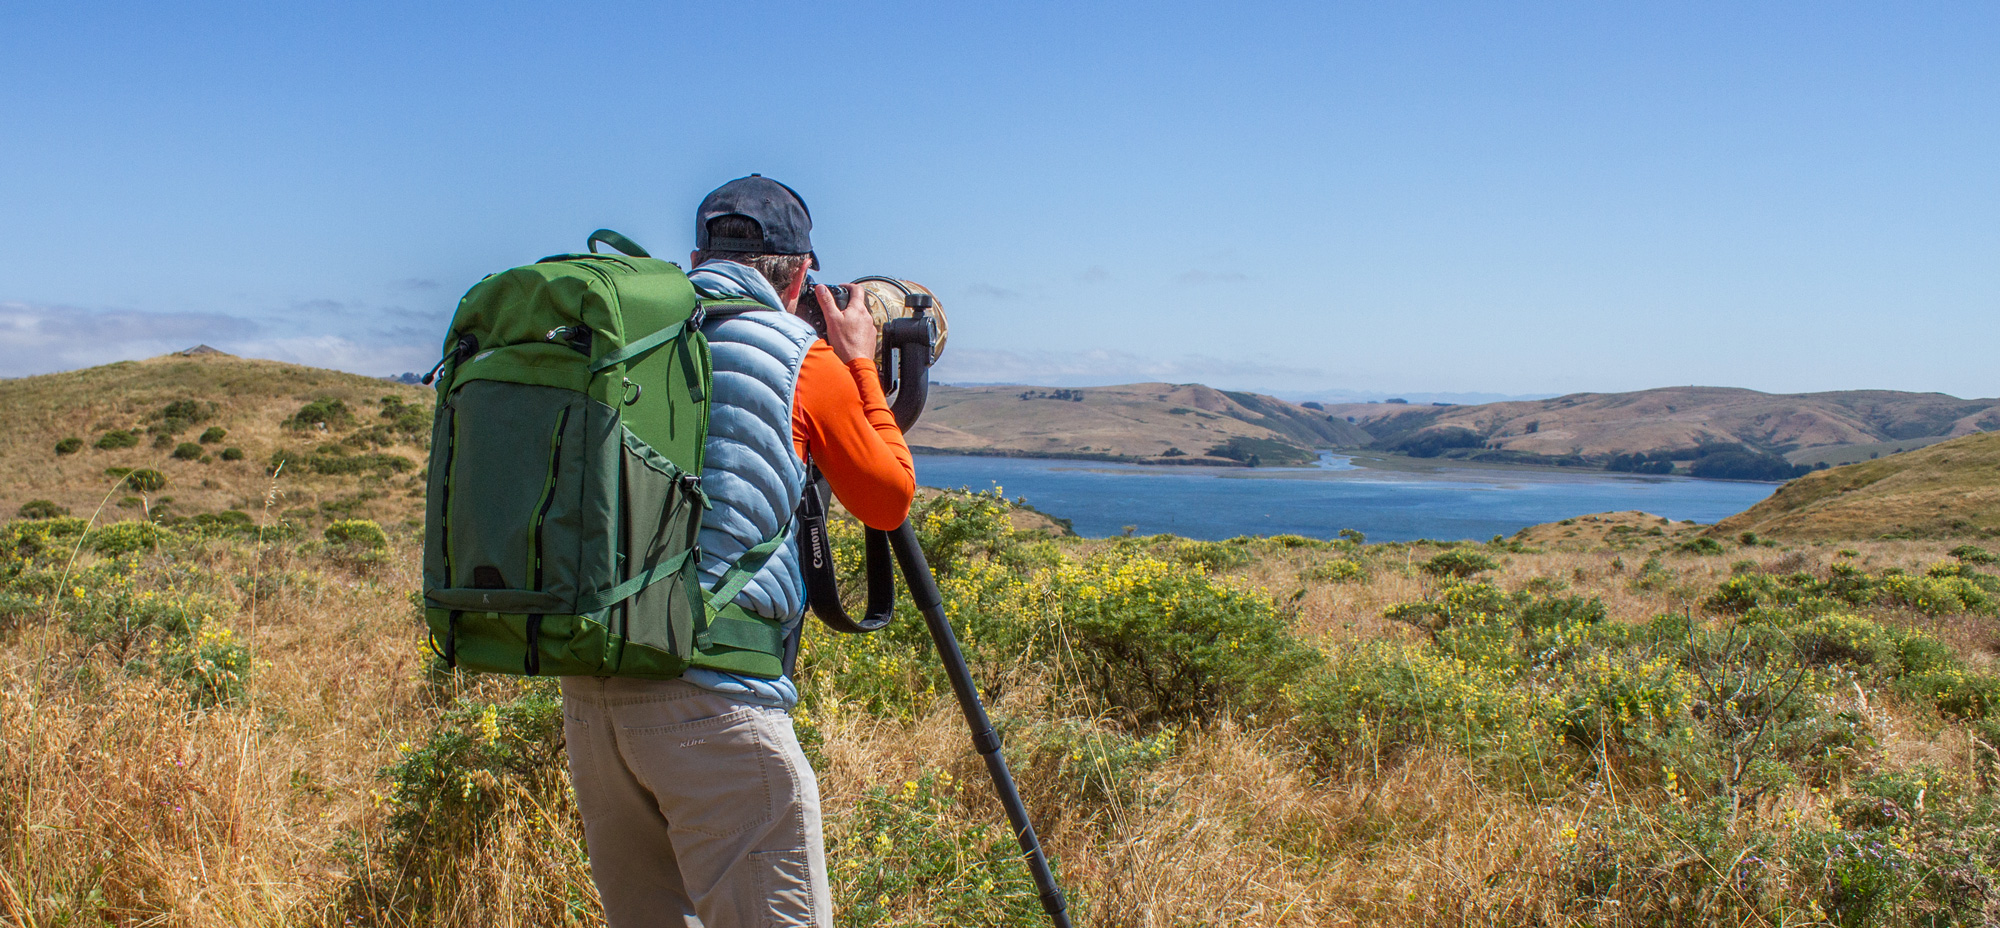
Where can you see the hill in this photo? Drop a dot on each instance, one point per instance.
(1148, 422)
(1674, 425)
(1950, 489)
(1615, 531)
(212, 426)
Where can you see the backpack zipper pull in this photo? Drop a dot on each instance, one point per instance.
(462, 349)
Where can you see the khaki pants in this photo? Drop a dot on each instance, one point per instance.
(698, 810)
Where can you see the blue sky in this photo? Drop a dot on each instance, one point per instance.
(1310, 199)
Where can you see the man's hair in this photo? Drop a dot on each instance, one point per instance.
(780, 270)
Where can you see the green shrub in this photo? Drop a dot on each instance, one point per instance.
(1461, 602)
(186, 411)
(117, 438)
(1743, 592)
(957, 525)
(121, 538)
(232, 454)
(1703, 546)
(1957, 692)
(1143, 639)
(146, 480)
(360, 534)
(70, 445)
(405, 418)
(1292, 542)
(1157, 645)
(1067, 762)
(28, 541)
(229, 522)
(1210, 555)
(1934, 596)
(333, 460)
(1459, 563)
(446, 792)
(1973, 554)
(1338, 570)
(911, 848)
(1846, 639)
(211, 663)
(1380, 697)
(42, 509)
(188, 451)
(324, 412)
(213, 434)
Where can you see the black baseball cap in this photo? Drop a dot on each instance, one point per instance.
(778, 210)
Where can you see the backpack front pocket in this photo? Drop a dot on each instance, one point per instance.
(513, 515)
(660, 516)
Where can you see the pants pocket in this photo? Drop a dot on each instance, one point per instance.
(712, 775)
(784, 880)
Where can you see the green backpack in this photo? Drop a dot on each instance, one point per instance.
(564, 497)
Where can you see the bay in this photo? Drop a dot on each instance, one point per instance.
(1388, 499)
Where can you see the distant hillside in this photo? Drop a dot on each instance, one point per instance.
(1674, 426)
(1950, 489)
(1151, 422)
(356, 452)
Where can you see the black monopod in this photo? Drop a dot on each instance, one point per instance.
(910, 340)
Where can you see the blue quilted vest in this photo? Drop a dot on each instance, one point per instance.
(751, 472)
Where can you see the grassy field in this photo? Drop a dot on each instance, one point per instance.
(1949, 489)
(216, 707)
(207, 726)
(357, 455)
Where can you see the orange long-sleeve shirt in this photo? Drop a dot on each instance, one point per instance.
(842, 423)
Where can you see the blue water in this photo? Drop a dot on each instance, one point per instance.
(1449, 502)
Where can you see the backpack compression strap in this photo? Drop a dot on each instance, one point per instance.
(736, 631)
(602, 599)
(646, 345)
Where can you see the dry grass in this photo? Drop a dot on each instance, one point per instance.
(122, 804)
(252, 400)
(1940, 491)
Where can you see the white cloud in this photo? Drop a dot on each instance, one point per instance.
(39, 338)
(372, 357)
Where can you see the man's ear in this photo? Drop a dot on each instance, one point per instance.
(694, 259)
(792, 291)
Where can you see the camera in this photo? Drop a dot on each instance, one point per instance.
(910, 334)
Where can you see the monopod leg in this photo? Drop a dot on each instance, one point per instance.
(924, 592)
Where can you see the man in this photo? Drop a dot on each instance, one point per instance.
(698, 806)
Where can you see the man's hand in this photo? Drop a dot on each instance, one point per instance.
(851, 331)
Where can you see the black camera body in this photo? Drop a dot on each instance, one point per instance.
(809, 309)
